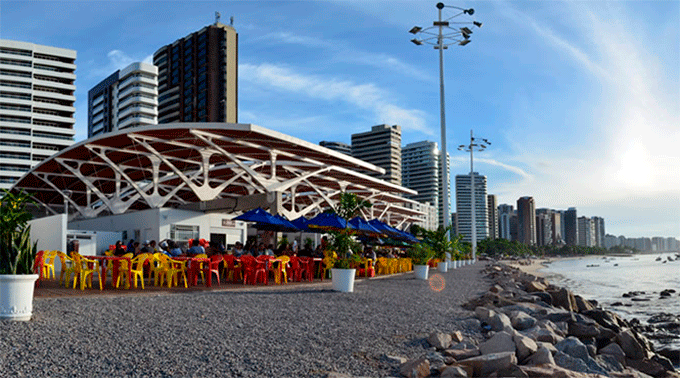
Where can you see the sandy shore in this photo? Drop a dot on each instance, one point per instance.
(537, 267)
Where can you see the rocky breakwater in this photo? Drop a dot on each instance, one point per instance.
(531, 328)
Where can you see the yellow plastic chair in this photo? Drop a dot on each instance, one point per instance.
(83, 271)
(381, 266)
(392, 265)
(174, 269)
(48, 264)
(328, 262)
(67, 268)
(280, 272)
(200, 265)
(136, 270)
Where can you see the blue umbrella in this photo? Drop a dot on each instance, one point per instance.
(301, 223)
(393, 232)
(329, 221)
(256, 215)
(363, 226)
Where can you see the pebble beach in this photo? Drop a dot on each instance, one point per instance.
(265, 331)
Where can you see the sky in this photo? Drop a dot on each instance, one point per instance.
(580, 99)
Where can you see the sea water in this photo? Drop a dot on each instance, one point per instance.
(607, 279)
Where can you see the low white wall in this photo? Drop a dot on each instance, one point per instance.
(49, 232)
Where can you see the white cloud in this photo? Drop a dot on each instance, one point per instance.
(367, 97)
(344, 53)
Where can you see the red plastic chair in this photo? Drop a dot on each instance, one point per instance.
(231, 267)
(254, 270)
(37, 266)
(215, 261)
(294, 270)
(307, 265)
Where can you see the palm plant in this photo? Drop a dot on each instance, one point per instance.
(17, 255)
(349, 206)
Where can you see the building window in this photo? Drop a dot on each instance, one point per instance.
(182, 233)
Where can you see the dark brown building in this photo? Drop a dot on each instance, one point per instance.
(198, 77)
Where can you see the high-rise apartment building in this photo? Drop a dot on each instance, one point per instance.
(586, 235)
(198, 77)
(337, 146)
(420, 171)
(557, 227)
(598, 224)
(526, 220)
(127, 98)
(382, 147)
(492, 207)
(505, 213)
(544, 227)
(464, 206)
(571, 230)
(37, 86)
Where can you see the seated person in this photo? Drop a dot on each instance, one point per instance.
(195, 248)
(173, 249)
(119, 250)
(307, 251)
(238, 249)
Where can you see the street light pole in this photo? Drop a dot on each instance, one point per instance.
(441, 41)
(480, 145)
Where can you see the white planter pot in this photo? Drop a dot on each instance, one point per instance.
(421, 271)
(456, 264)
(443, 266)
(16, 296)
(343, 280)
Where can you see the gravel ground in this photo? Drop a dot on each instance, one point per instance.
(305, 331)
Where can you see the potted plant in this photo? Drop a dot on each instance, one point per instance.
(343, 244)
(17, 257)
(420, 254)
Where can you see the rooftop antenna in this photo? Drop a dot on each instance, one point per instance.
(217, 17)
(231, 21)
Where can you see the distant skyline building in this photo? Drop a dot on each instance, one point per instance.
(337, 146)
(557, 227)
(586, 235)
(571, 230)
(420, 171)
(526, 220)
(492, 207)
(464, 207)
(382, 147)
(505, 213)
(127, 98)
(598, 224)
(544, 227)
(37, 105)
(431, 221)
(198, 77)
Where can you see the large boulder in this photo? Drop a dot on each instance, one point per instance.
(603, 318)
(647, 366)
(500, 342)
(547, 335)
(555, 372)
(439, 340)
(615, 351)
(582, 304)
(568, 362)
(631, 347)
(418, 368)
(484, 313)
(454, 372)
(521, 320)
(500, 322)
(486, 364)
(525, 346)
(534, 286)
(462, 354)
(582, 330)
(565, 299)
(542, 356)
(573, 347)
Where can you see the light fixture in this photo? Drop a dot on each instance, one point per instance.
(416, 29)
(417, 41)
(477, 24)
(465, 42)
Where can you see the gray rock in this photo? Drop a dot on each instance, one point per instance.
(454, 372)
(484, 314)
(521, 320)
(568, 362)
(418, 368)
(395, 359)
(573, 347)
(456, 337)
(548, 346)
(542, 356)
(615, 351)
(543, 334)
(486, 364)
(462, 354)
(592, 350)
(631, 347)
(534, 286)
(582, 304)
(647, 366)
(500, 322)
(564, 298)
(525, 346)
(464, 345)
(609, 362)
(500, 342)
(583, 330)
(440, 340)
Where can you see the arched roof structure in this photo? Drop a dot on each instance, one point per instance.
(175, 165)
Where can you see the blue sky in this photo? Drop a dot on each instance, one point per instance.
(581, 100)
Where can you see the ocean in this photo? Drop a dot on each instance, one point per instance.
(607, 279)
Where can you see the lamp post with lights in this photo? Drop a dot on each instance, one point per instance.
(476, 144)
(442, 34)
